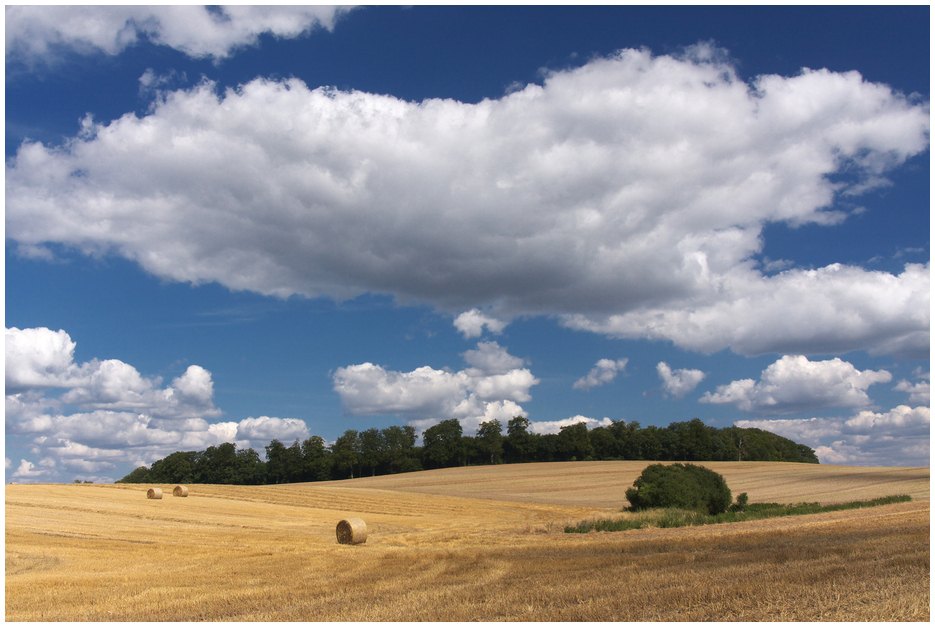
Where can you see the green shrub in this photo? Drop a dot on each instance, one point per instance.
(681, 486)
(754, 511)
(741, 503)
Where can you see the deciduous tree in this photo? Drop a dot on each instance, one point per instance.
(346, 453)
(441, 444)
(490, 440)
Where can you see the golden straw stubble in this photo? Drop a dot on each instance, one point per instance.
(352, 531)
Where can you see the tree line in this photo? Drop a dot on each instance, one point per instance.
(393, 450)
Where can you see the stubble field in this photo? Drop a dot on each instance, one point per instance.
(465, 544)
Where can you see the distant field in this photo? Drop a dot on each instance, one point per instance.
(465, 544)
(603, 484)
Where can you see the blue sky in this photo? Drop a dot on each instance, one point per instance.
(241, 224)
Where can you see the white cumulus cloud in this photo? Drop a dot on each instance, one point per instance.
(28, 470)
(265, 428)
(490, 388)
(367, 389)
(680, 382)
(39, 358)
(555, 426)
(794, 384)
(833, 309)
(108, 414)
(898, 437)
(604, 371)
(919, 392)
(491, 358)
(471, 323)
(626, 197)
(42, 32)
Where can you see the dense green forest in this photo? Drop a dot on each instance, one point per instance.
(394, 450)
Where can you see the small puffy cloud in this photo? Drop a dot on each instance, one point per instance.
(195, 385)
(513, 385)
(35, 32)
(490, 388)
(904, 418)
(504, 411)
(604, 371)
(471, 323)
(491, 358)
(39, 358)
(627, 197)
(367, 389)
(152, 84)
(111, 383)
(794, 384)
(680, 382)
(27, 471)
(898, 437)
(224, 431)
(476, 412)
(554, 426)
(919, 392)
(264, 429)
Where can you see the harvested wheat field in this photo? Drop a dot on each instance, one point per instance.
(466, 544)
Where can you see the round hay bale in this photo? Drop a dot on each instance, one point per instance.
(154, 493)
(352, 531)
(179, 490)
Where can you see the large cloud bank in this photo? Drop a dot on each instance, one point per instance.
(88, 419)
(627, 197)
(35, 33)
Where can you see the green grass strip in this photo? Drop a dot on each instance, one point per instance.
(667, 518)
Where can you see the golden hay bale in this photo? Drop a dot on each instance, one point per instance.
(179, 490)
(352, 531)
(154, 493)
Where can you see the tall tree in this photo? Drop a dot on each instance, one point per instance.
(441, 444)
(217, 464)
(574, 442)
(650, 446)
(175, 468)
(520, 444)
(604, 443)
(631, 447)
(399, 443)
(277, 463)
(371, 449)
(490, 440)
(294, 462)
(546, 448)
(249, 470)
(346, 450)
(316, 458)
